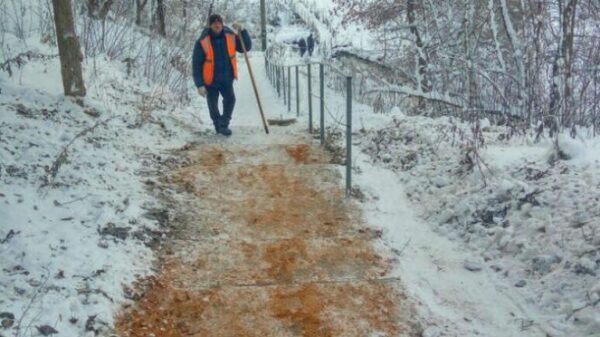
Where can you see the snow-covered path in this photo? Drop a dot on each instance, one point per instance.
(265, 243)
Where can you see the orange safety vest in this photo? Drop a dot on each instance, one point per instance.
(208, 68)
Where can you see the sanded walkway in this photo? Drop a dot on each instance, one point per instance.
(265, 244)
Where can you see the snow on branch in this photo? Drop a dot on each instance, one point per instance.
(431, 95)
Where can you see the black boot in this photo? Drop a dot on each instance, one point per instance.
(226, 131)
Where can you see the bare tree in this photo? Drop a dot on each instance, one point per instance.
(559, 111)
(68, 48)
(411, 17)
(526, 62)
(568, 40)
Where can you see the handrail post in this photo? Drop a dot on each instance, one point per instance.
(283, 85)
(310, 130)
(297, 92)
(348, 135)
(322, 97)
(289, 84)
(278, 81)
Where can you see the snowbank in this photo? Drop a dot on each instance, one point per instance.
(535, 225)
(76, 224)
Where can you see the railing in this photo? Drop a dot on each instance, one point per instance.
(280, 76)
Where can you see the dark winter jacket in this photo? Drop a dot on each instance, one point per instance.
(223, 71)
(311, 43)
(302, 46)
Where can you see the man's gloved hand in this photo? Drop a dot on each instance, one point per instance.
(202, 91)
(237, 26)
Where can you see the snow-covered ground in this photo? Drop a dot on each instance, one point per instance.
(515, 254)
(76, 224)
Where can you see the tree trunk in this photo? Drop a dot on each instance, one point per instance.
(595, 108)
(517, 51)
(494, 27)
(551, 120)
(68, 48)
(139, 9)
(160, 16)
(472, 90)
(560, 90)
(210, 10)
(568, 31)
(411, 16)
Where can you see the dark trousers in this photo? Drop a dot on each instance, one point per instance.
(226, 91)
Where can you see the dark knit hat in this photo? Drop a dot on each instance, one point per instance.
(214, 18)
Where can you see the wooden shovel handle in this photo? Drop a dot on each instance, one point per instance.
(262, 114)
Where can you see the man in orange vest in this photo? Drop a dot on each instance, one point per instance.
(214, 66)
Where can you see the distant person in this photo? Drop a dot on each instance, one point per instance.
(311, 44)
(214, 68)
(302, 46)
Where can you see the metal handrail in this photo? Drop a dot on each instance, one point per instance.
(328, 64)
(277, 75)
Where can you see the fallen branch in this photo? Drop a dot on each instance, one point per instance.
(21, 59)
(96, 291)
(62, 157)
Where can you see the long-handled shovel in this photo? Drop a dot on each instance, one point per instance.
(262, 114)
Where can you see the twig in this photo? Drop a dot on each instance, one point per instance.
(591, 304)
(37, 292)
(62, 157)
(20, 61)
(149, 103)
(399, 253)
(589, 251)
(72, 201)
(89, 291)
(10, 235)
